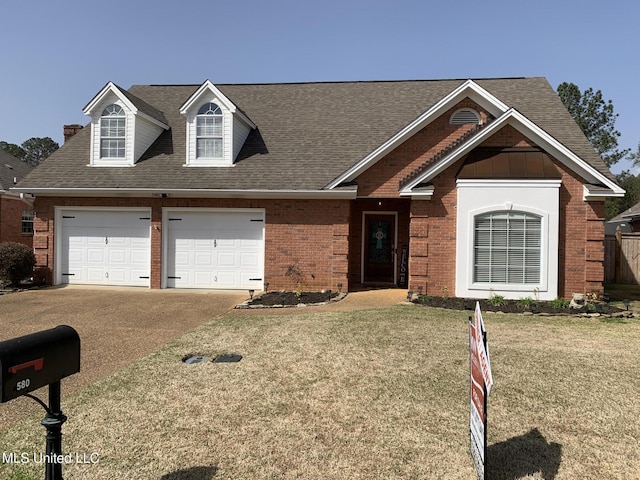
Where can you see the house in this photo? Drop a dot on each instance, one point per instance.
(628, 221)
(16, 212)
(459, 187)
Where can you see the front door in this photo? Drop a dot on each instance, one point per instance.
(379, 248)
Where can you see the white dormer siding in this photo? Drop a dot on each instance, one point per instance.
(145, 134)
(240, 133)
(140, 131)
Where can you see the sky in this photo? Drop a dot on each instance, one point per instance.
(57, 55)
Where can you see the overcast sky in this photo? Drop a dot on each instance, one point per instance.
(56, 55)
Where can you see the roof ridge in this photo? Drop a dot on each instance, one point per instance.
(334, 82)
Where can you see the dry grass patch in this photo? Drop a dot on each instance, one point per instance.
(376, 394)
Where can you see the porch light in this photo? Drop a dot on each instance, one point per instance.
(409, 295)
(251, 292)
(340, 288)
(266, 286)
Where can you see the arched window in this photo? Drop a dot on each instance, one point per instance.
(209, 131)
(507, 248)
(112, 132)
(465, 116)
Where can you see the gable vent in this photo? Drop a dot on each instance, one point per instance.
(465, 116)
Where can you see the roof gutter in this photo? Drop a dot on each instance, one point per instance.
(345, 194)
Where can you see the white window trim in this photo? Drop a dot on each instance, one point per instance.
(510, 289)
(544, 254)
(206, 116)
(96, 135)
(192, 159)
(27, 219)
(122, 115)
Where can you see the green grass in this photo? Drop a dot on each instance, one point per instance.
(375, 394)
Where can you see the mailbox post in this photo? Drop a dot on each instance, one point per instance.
(33, 361)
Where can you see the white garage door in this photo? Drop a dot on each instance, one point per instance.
(103, 247)
(214, 249)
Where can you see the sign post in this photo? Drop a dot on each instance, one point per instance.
(481, 382)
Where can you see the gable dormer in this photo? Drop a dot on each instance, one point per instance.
(216, 129)
(123, 127)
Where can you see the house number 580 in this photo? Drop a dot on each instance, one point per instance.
(23, 384)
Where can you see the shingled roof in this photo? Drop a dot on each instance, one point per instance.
(11, 169)
(308, 133)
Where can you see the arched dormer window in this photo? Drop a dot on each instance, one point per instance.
(465, 116)
(112, 132)
(209, 141)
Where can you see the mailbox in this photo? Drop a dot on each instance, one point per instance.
(33, 361)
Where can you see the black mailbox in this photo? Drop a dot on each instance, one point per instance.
(33, 361)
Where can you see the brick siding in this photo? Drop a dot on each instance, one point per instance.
(306, 241)
(11, 221)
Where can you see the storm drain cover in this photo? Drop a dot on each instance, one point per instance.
(227, 358)
(194, 359)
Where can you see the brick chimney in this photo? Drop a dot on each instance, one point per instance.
(71, 130)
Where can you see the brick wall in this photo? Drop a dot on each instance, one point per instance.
(581, 245)
(382, 179)
(432, 227)
(306, 240)
(11, 221)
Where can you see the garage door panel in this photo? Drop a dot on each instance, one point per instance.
(94, 275)
(94, 255)
(117, 275)
(211, 245)
(249, 260)
(105, 247)
(203, 259)
(227, 259)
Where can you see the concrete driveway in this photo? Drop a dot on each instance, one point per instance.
(116, 326)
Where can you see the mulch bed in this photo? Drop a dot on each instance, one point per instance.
(516, 306)
(291, 299)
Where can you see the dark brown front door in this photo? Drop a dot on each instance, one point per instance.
(379, 248)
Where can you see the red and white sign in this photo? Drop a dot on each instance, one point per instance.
(481, 382)
(483, 351)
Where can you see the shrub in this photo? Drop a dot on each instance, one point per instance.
(16, 262)
(496, 300)
(559, 303)
(526, 302)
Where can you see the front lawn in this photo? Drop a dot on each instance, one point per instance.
(373, 394)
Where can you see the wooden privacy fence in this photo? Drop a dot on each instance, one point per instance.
(622, 258)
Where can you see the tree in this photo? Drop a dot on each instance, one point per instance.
(33, 151)
(596, 118)
(38, 149)
(13, 149)
(631, 184)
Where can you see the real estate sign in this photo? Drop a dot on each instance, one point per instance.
(481, 382)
